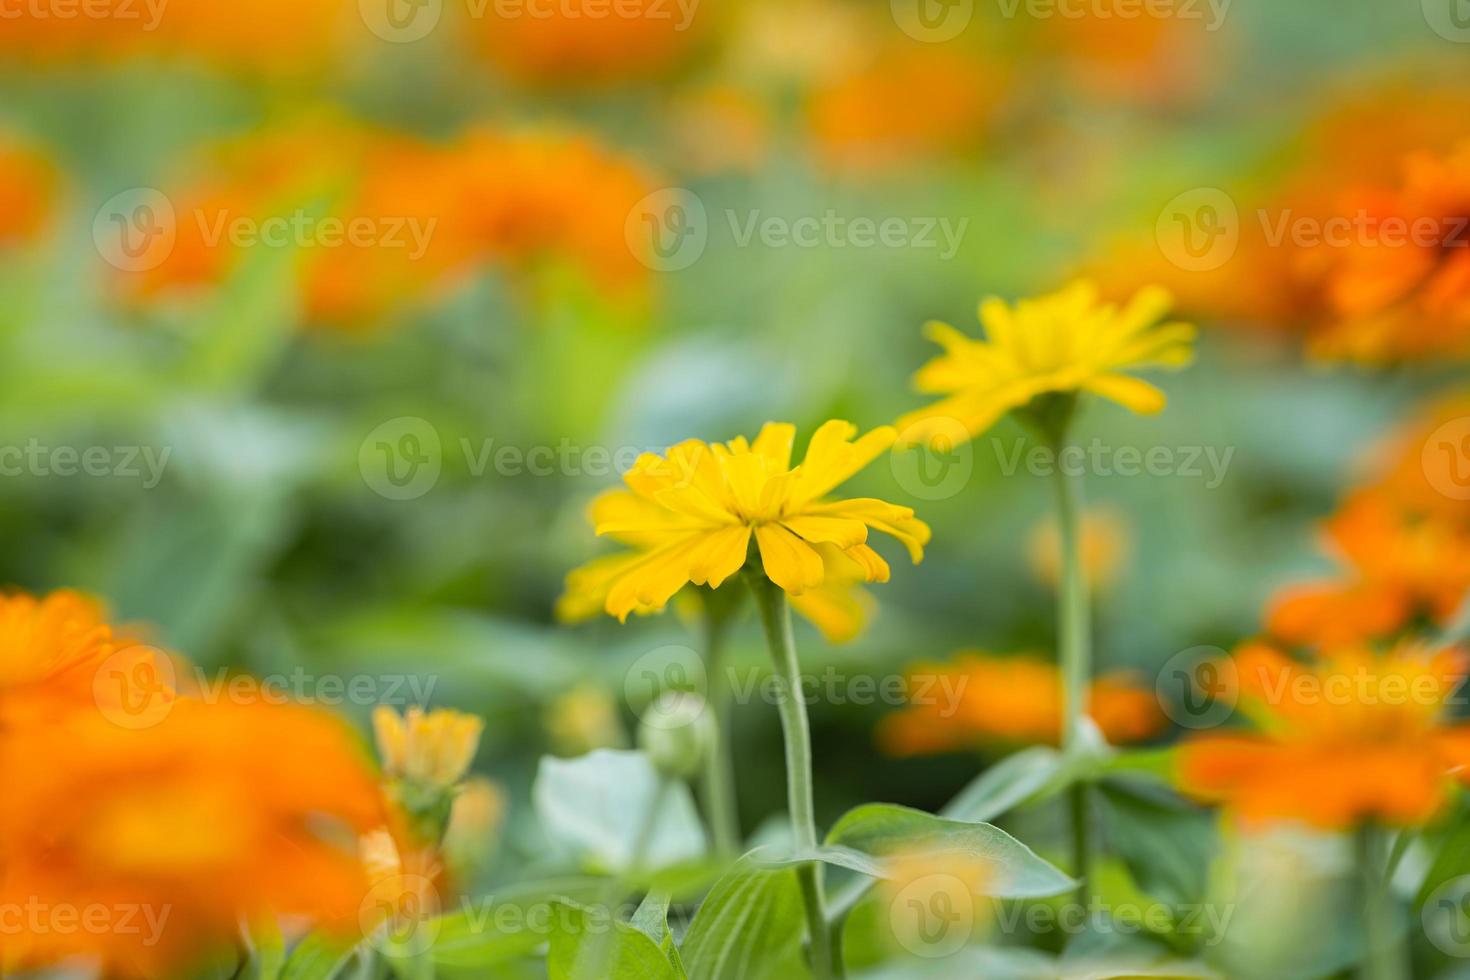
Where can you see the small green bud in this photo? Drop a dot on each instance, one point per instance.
(677, 733)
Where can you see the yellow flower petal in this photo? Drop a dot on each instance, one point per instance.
(789, 561)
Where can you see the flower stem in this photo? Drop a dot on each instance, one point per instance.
(1383, 957)
(719, 771)
(1074, 641)
(776, 618)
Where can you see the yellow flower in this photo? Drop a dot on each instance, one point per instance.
(691, 515)
(1067, 341)
(433, 749)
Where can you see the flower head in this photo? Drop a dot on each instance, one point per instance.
(58, 654)
(977, 700)
(266, 798)
(432, 749)
(1064, 342)
(1357, 736)
(691, 517)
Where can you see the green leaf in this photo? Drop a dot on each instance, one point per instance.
(319, 956)
(749, 927)
(1006, 785)
(588, 946)
(1451, 858)
(501, 927)
(881, 829)
(267, 949)
(599, 804)
(1166, 843)
(652, 919)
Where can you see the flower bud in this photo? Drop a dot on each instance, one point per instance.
(677, 733)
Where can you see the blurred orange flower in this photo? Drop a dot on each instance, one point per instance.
(28, 190)
(59, 655)
(570, 43)
(1357, 736)
(215, 815)
(378, 222)
(1403, 541)
(909, 104)
(978, 699)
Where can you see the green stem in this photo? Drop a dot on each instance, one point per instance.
(776, 618)
(1384, 955)
(718, 780)
(1074, 641)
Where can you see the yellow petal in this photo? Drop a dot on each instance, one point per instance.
(719, 555)
(789, 561)
(774, 443)
(843, 532)
(1131, 393)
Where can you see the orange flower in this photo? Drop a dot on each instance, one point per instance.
(58, 655)
(1356, 737)
(1401, 286)
(1154, 59)
(28, 188)
(978, 699)
(1404, 565)
(587, 42)
(911, 103)
(215, 815)
(376, 222)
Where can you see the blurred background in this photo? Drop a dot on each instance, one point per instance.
(322, 321)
